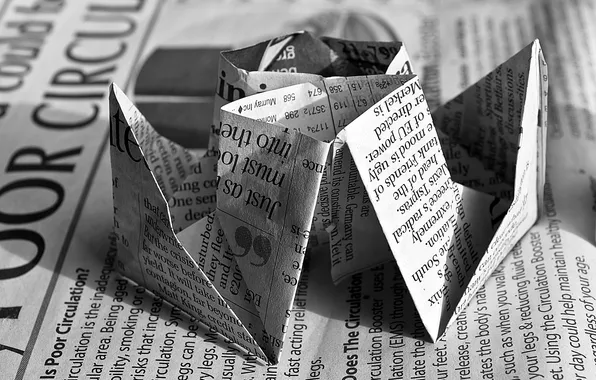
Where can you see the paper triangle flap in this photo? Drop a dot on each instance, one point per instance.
(395, 145)
(487, 123)
(160, 262)
(512, 219)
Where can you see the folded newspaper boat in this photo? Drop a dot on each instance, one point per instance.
(346, 153)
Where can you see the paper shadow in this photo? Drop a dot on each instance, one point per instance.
(330, 300)
(51, 193)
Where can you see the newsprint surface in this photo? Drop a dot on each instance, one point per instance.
(66, 313)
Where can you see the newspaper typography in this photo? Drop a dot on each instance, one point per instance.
(359, 153)
(532, 319)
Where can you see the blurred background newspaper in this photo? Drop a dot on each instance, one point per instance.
(65, 313)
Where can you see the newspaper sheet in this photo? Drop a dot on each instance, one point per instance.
(533, 318)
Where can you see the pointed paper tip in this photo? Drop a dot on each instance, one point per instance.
(114, 88)
(536, 42)
(536, 45)
(116, 92)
